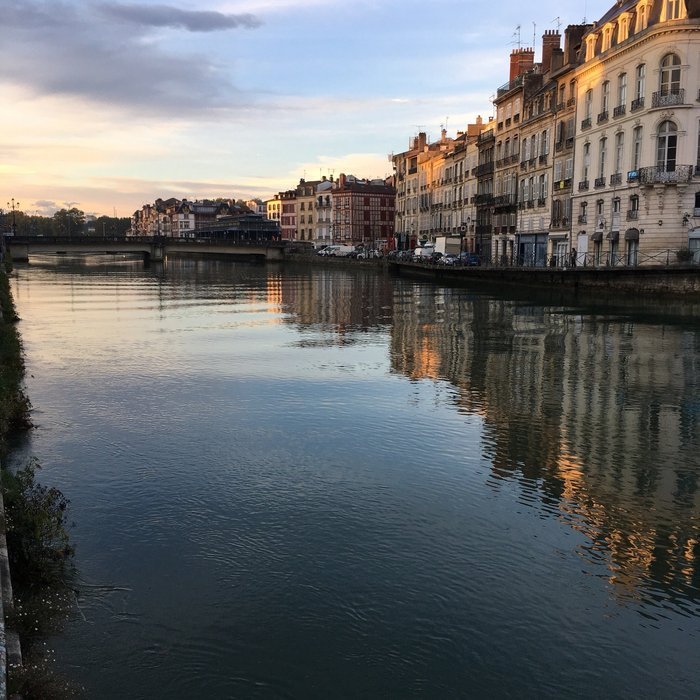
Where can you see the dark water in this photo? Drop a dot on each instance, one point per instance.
(309, 483)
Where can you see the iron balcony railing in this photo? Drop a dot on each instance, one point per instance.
(583, 185)
(619, 111)
(616, 179)
(659, 175)
(599, 182)
(668, 99)
(637, 104)
(586, 123)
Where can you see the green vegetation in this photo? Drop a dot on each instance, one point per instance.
(14, 404)
(38, 545)
(684, 255)
(42, 573)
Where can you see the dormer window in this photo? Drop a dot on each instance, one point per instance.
(590, 47)
(642, 16)
(672, 9)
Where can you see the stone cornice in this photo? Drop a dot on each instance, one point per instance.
(634, 43)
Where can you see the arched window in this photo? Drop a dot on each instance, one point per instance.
(670, 76)
(666, 142)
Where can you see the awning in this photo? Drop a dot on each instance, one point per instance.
(597, 236)
(632, 234)
(613, 236)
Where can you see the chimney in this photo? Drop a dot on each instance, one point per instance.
(422, 140)
(551, 40)
(521, 61)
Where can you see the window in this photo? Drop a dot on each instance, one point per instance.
(642, 17)
(544, 143)
(622, 90)
(672, 9)
(602, 154)
(586, 160)
(639, 80)
(605, 101)
(568, 168)
(634, 203)
(619, 150)
(666, 141)
(588, 110)
(636, 147)
(670, 77)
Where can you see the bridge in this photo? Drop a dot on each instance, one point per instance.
(156, 248)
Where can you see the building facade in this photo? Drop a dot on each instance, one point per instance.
(638, 141)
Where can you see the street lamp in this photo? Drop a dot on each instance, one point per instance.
(12, 206)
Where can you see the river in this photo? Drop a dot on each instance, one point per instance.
(299, 482)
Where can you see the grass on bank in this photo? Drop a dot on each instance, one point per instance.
(40, 554)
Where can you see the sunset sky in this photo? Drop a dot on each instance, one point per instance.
(107, 105)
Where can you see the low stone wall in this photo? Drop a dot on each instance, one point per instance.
(667, 281)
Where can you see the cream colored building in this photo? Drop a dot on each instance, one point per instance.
(637, 147)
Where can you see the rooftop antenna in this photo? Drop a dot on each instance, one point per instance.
(558, 22)
(516, 36)
(534, 35)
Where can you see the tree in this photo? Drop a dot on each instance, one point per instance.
(68, 222)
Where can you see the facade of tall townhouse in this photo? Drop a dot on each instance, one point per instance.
(638, 141)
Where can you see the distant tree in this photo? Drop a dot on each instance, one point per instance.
(69, 222)
(112, 226)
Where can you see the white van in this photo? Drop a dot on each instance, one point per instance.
(343, 250)
(423, 252)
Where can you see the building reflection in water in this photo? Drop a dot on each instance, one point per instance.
(595, 414)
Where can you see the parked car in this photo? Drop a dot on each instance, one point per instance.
(448, 259)
(469, 259)
(368, 254)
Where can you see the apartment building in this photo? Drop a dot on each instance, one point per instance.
(436, 188)
(363, 211)
(637, 149)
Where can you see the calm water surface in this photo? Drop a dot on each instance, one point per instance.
(311, 483)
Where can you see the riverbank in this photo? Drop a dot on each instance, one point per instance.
(673, 281)
(14, 415)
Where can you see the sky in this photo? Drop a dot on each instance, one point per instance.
(109, 104)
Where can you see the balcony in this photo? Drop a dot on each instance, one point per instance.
(569, 143)
(541, 201)
(582, 219)
(571, 102)
(633, 215)
(559, 146)
(563, 184)
(655, 175)
(530, 203)
(484, 169)
(616, 179)
(412, 171)
(485, 137)
(619, 111)
(637, 104)
(668, 99)
(543, 159)
(504, 200)
(586, 123)
(599, 182)
(523, 165)
(583, 185)
(484, 199)
(602, 117)
(633, 176)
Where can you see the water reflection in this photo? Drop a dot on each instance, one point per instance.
(301, 479)
(596, 416)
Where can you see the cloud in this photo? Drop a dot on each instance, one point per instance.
(167, 16)
(69, 50)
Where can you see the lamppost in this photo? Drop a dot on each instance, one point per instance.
(12, 206)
